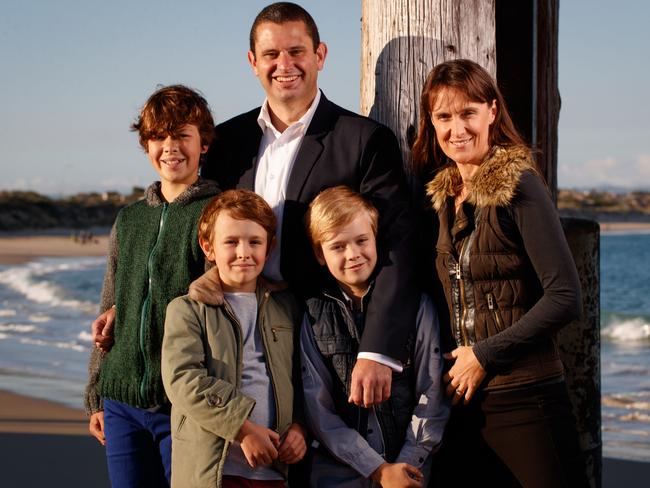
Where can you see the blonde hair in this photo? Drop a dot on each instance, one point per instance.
(334, 208)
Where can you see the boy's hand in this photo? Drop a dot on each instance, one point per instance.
(96, 427)
(396, 475)
(371, 383)
(207, 288)
(293, 447)
(260, 445)
(102, 330)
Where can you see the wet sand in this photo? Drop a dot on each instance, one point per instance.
(46, 444)
(624, 226)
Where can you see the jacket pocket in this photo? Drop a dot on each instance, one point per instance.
(494, 311)
(178, 422)
(279, 332)
(332, 345)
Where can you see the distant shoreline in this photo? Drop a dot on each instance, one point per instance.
(624, 226)
(25, 248)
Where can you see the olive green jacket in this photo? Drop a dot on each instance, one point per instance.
(201, 372)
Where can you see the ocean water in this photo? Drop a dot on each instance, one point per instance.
(625, 344)
(46, 308)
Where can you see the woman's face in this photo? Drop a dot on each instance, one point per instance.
(462, 126)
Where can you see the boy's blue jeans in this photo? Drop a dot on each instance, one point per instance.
(138, 446)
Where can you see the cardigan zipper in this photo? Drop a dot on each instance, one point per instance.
(147, 301)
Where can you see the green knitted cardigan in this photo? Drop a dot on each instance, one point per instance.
(158, 256)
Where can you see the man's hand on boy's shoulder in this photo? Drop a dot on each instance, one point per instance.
(294, 445)
(371, 382)
(102, 330)
(207, 288)
(259, 444)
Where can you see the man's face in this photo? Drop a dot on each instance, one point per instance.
(287, 64)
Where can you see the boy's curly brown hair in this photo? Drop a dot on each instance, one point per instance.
(169, 109)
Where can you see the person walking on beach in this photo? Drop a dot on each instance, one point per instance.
(153, 256)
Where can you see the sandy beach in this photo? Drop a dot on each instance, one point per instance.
(46, 444)
(16, 250)
(624, 226)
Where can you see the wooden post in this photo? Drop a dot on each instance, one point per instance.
(527, 73)
(580, 344)
(402, 40)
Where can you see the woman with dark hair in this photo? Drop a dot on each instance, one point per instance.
(509, 282)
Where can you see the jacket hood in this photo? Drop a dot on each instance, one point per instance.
(494, 184)
(201, 188)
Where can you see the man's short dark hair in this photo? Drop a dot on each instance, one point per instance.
(281, 12)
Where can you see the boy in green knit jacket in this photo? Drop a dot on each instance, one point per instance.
(153, 257)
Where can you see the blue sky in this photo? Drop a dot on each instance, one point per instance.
(74, 74)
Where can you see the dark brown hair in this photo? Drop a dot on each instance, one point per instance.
(240, 205)
(281, 12)
(478, 86)
(170, 108)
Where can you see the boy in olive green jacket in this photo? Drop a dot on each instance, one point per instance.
(228, 369)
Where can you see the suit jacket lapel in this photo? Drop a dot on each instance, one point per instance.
(250, 152)
(310, 149)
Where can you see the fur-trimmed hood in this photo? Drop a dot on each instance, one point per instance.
(494, 183)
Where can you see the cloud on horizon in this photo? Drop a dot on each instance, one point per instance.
(630, 174)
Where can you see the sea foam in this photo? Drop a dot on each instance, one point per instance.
(85, 336)
(627, 330)
(628, 401)
(30, 281)
(21, 328)
(58, 344)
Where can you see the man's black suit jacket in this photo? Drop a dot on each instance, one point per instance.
(339, 148)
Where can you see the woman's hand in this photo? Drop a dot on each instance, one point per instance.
(465, 376)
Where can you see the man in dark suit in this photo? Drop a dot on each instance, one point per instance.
(299, 143)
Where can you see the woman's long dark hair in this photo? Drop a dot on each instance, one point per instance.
(478, 86)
